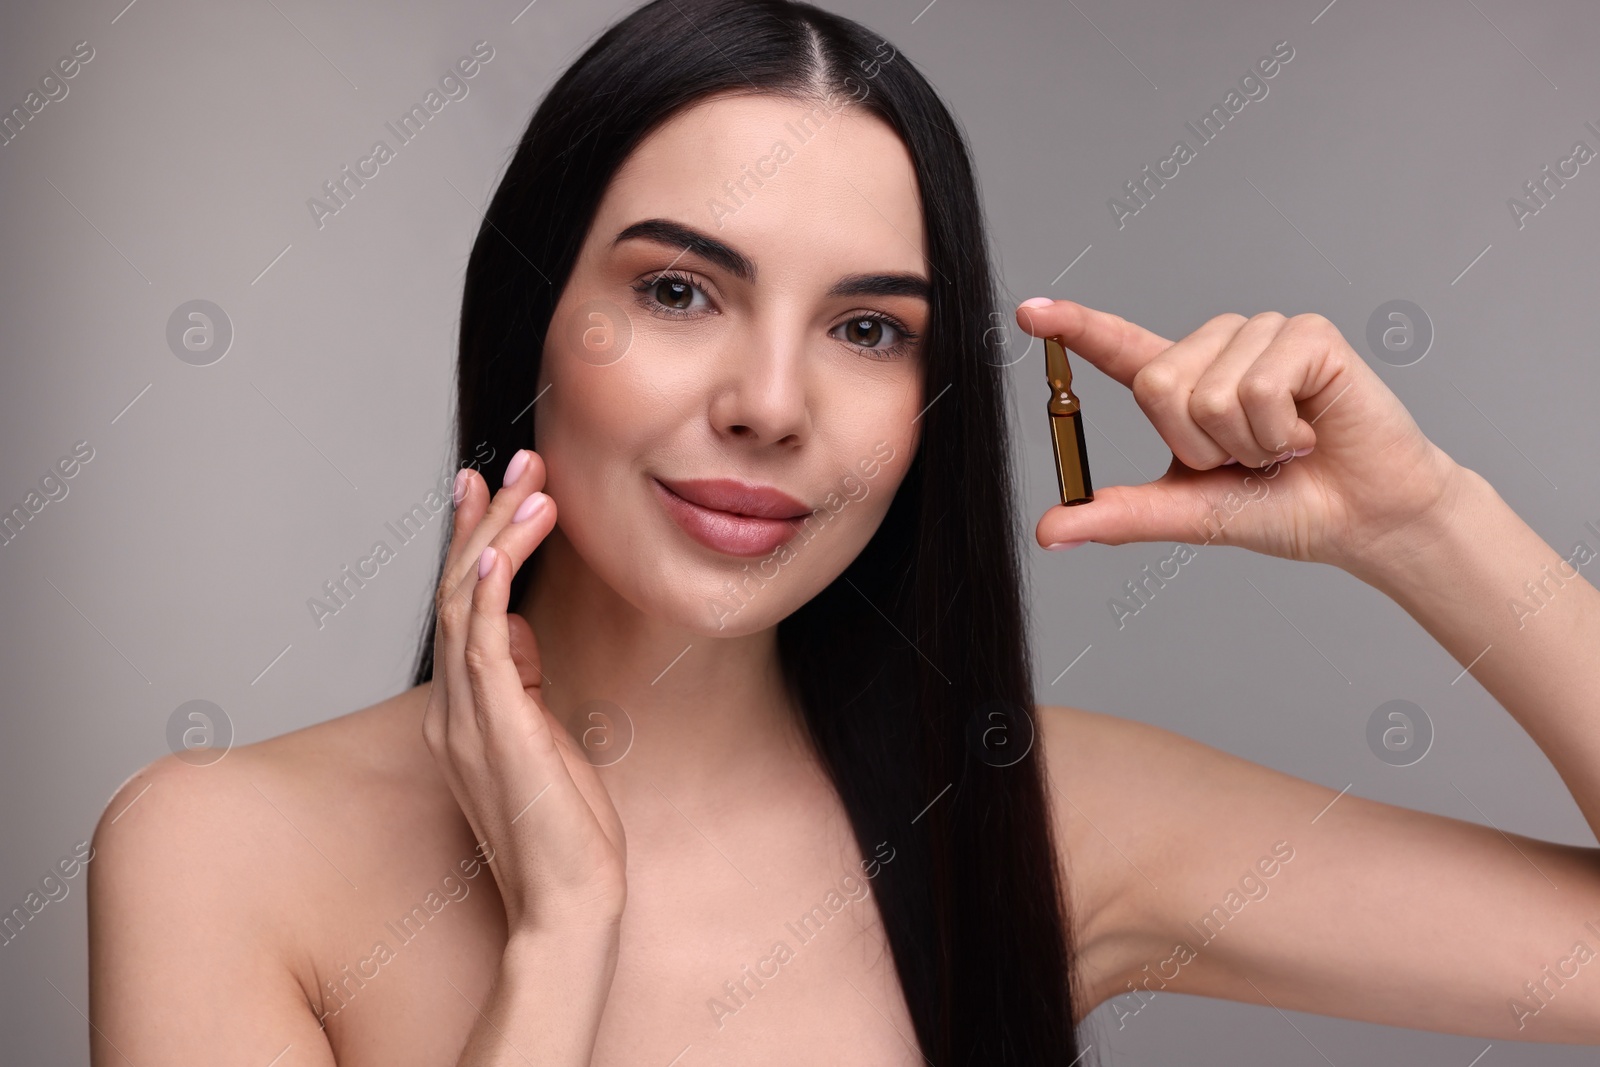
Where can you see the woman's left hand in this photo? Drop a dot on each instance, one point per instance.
(1256, 390)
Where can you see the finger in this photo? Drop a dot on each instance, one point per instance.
(1164, 389)
(476, 526)
(503, 710)
(471, 498)
(1217, 402)
(1113, 344)
(533, 520)
(1296, 366)
(471, 495)
(475, 522)
(521, 740)
(527, 526)
(1182, 505)
(511, 761)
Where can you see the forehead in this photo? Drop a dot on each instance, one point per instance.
(800, 187)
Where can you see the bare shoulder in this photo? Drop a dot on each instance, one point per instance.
(224, 809)
(208, 883)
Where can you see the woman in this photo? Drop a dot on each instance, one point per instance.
(727, 684)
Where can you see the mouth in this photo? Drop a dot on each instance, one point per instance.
(733, 518)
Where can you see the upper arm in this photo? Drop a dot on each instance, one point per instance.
(186, 959)
(1204, 873)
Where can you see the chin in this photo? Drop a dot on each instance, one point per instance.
(727, 600)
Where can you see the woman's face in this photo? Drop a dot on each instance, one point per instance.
(747, 312)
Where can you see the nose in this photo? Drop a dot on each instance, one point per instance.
(761, 396)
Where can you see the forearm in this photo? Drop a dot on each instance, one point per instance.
(1463, 577)
(547, 1001)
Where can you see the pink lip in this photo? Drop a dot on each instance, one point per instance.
(732, 517)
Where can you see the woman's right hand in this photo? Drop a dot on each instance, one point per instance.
(540, 813)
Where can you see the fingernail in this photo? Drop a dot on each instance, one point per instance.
(1229, 460)
(529, 507)
(1301, 451)
(1038, 302)
(485, 562)
(1060, 545)
(514, 469)
(461, 485)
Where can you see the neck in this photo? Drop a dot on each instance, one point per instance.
(705, 713)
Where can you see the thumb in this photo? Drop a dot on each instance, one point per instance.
(1182, 505)
(524, 651)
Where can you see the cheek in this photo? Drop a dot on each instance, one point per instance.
(577, 420)
(590, 428)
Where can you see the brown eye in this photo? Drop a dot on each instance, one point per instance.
(865, 332)
(674, 293)
(878, 335)
(673, 296)
(868, 331)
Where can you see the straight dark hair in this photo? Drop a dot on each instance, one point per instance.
(912, 667)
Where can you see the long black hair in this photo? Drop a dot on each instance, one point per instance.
(912, 667)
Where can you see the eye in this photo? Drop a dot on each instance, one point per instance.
(867, 331)
(671, 295)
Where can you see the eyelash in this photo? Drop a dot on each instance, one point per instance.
(908, 337)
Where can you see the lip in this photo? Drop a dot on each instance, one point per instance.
(731, 517)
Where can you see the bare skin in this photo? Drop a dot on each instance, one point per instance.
(593, 914)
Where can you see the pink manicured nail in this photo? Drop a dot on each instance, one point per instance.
(1229, 460)
(514, 469)
(461, 485)
(529, 507)
(1038, 302)
(1060, 545)
(485, 562)
(1301, 451)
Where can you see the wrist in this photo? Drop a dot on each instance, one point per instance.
(1439, 538)
(572, 950)
(585, 917)
(565, 938)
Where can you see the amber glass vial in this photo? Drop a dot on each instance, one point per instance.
(1066, 428)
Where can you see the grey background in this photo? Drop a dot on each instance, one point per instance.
(178, 566)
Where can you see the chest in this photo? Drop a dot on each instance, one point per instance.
(781, 959)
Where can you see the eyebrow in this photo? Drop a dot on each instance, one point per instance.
(677, 235)
(881, 285)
